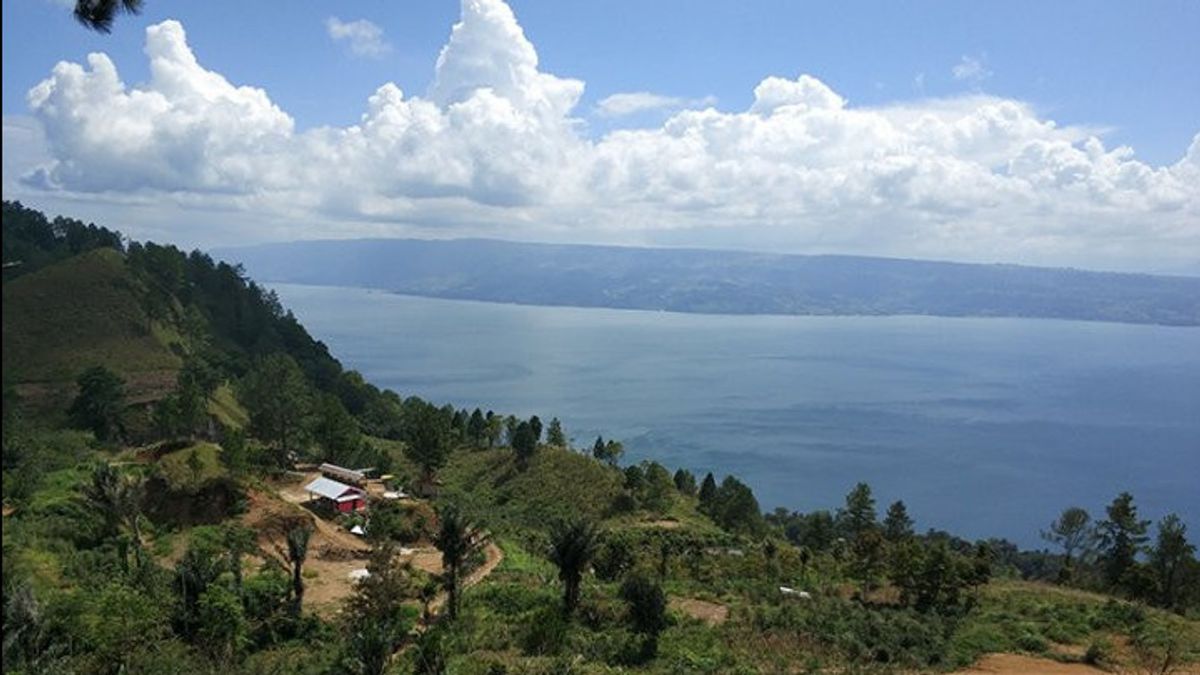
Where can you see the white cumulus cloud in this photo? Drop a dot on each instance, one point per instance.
(496, 146)
(631, 103)
(362, 36)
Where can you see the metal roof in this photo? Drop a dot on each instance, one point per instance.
(330, 489)
(350, 474)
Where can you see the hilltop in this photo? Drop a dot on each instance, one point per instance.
(721, 282)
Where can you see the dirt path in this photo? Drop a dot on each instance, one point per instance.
(494, 556)
(1019, 664)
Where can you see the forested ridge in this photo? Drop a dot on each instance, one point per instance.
(158, 437)
(722, 282)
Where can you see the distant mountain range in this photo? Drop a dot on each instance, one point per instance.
(721, 282)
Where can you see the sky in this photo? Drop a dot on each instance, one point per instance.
(1063, 133)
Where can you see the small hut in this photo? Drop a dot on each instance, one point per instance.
(338, 496)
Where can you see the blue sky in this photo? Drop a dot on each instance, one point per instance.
(1125, 73)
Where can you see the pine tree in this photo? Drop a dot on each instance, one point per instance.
(859, 514)
(708, 491)
(1121, 537)
(897, 525)
(555, 435)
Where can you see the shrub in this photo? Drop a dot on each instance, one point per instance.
(545, 632)
(1032, 643)
(1098, 652)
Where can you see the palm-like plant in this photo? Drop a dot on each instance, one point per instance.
(99, 14)
(572, 546)
(457, 539)
(119, 498)
(297, 552)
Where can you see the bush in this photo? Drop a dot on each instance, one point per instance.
(1032, 643)
(546, 632)
(1098, 652)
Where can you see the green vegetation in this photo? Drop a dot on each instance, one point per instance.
(124, 548)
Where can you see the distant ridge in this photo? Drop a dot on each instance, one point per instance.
(721, 282)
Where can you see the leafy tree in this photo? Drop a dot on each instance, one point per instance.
(608, 451)
(614, 557)
(535, 425)
(1120, 538)
(647, 610)
(572, 546)
(1072, 531)
(1169, 559)
(868, 552)
(194, 386)
(27, 638)
(277, 398)
(897, 525)
(195, 466)
(524, 444)
(658, 488)
(494, 429)
(98, 15)
(223, 625)
(510, 427)
(239, 541)
(201, 565)
(735, 508)
(555, 435)
(234, 454)
(99, 403)
(859, 514)
(457, 539)
(168, 420)
(336, 430)
(118, 497)
(708, 492)
(932, 577)
(382, 617)
(476, 428)
(118, 622)
(816, 531)
(427, 441)
(685, 482)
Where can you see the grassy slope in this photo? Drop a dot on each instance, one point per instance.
(557, 484)
(227, 409)
(82, 312)
(180, 476)
(1011, 616)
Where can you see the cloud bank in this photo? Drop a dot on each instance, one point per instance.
(496, 145)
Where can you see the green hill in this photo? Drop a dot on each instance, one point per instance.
(78, 313)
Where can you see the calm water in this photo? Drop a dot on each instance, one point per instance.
(983, 426)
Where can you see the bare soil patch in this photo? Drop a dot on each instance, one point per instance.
(712, 613)
(1020, 664)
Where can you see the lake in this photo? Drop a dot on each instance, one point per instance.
(984, 427)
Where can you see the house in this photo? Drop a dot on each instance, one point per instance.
(339, 496)
(339, 473)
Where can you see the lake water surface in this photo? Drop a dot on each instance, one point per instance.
(985, 427)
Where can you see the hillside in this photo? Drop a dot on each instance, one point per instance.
(81, 312)
(178, 530)
(721, 282)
